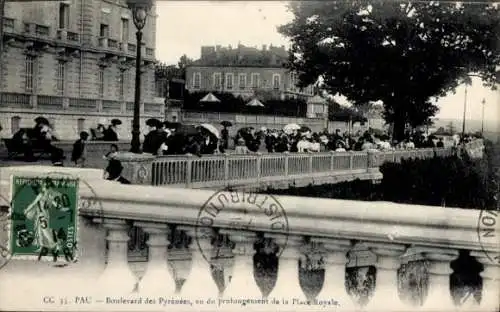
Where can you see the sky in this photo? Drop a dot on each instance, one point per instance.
(184, 26)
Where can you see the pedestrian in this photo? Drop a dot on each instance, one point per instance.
(114, 172)
(155, 139)
(113, 150)
(79, 153)
(111, 133)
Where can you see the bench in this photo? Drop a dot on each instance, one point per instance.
(16, 149)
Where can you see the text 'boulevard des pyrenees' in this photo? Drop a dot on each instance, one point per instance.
(298, 155)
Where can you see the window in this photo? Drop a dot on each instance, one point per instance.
(293, 81)
(63, 15)
(242, 78)
(121, 84)
(229, 81)
(255, 80)
(80, 125)
(196, 80)
(29, 71)
(15, 124)
(124, 30)
(217, 80)
(104, 31)
(100, 80)
(61, 68)
(276, 81)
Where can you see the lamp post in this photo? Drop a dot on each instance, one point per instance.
(482, 119)
(139, 10)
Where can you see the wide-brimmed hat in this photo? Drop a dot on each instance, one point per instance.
(153, 122)
(116, 122)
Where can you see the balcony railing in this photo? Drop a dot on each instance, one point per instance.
(195, 226)
(72, 36)
(150, 52)
(131, 48)
(113, 44)
(50, 102)
(17, 100)
(232, 170)
(42, 31)
(8, 24)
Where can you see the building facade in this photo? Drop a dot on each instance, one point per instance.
(74, 63)
(246, 71)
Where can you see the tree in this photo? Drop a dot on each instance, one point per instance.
(184, 62)
(401, 54)
(450, 128)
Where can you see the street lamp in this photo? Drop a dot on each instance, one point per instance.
(139, 10)
(482, 119)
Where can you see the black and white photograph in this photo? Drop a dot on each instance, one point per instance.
(249, 155)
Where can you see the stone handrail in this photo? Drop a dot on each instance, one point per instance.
(228, 170)
(342, 230)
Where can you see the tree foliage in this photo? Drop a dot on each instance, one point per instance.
(403, 54)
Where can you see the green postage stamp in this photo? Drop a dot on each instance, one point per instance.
(44, 218)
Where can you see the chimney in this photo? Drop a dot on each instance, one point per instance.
(264, 47)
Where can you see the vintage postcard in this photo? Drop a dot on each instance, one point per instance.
(335, 155)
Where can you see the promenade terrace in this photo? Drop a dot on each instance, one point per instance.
(173, 246)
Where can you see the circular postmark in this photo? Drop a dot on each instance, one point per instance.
(488, 230)
(41, 220)
(248, 212)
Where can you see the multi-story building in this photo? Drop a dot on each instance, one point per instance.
(246, 71)
(74, 63)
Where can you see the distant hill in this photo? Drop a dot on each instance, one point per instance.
(491, 129)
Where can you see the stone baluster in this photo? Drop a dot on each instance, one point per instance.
(490, 298)
(242, 282)
(335, 264)
(117, 277)
(439, 295)
(386, 283)
(287, 283)
(200, 283)
(157, 278)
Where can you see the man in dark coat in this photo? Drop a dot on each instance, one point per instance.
(155, 137)
(78, 155)
(114, 171)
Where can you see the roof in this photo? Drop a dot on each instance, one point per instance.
(244, 56)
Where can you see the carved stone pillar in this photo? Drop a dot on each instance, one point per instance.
(117, 277)
(157, 279)
(335, 264)
(490, 298)
(200, 283)
(242, 282)
(287, 282)
(386, 283)
(439, 295)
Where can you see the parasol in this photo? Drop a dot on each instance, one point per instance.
(255, 103)
(103, 121)
(42, 121)
(226, 123)
(305, 129)
(291, 127)
(115, 122)
(209, 98)
(210, 128)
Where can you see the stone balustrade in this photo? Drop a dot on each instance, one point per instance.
(259, 170)
(189, 235)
